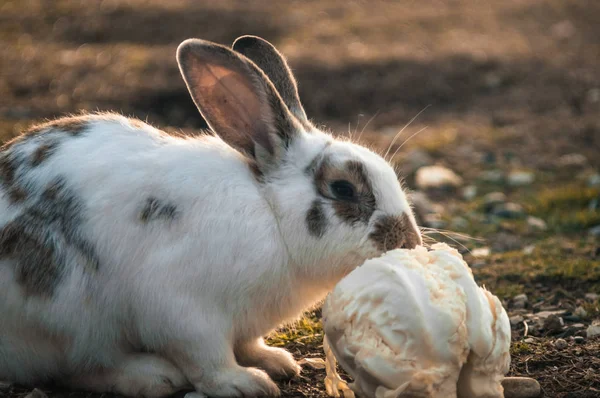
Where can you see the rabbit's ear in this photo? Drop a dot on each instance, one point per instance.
(273, 63)
(237, 100)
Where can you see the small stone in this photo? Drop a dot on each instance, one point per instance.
(492, 199)
(508, 210)
(580, 312)
(529, 340)
(520, 301)
(505, 242)
(573, 160)
(563, 29)
(591, 296)
(578, 326)
(469, 192)
(492, 176)
(553, 323)
(594, 231)
(579, 339)
(594, 180)
(560, 344)
(436, 176)
(521, 387)
(36, 393)
(592, 331)
(481, 252)
(527, 250)
(516, 319)
(520, 178)
(548, 313)
(537, 223)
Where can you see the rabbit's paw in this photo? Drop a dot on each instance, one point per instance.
(143, 375)
(277, 362)
(238, 382)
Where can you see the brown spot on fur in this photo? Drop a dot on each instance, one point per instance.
(359, 210)
(155, 209)
(43, 152)
(35, 267)
(15, 193)
(315, 219)
(45, 239)
(392, 232)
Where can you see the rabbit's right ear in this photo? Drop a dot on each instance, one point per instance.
(238, 101)
(273, 63)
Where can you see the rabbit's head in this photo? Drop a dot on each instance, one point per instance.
(336, 202)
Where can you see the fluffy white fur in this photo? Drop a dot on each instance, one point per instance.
(184, 303)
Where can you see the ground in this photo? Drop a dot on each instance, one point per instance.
(504, 88)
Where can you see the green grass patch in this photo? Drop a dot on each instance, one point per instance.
(306, 330)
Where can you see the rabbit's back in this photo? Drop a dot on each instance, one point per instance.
(96, 214)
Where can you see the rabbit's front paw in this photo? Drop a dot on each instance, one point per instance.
(277, 362)
(238, 382)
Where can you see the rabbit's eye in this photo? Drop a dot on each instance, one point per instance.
(343, 190)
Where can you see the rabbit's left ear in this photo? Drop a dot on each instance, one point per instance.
(273, 63)
(238, 101)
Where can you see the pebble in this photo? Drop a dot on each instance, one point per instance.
(520, 178)
(36, 393)
(546, 314)
(521, 387)
(527, 250)
(492, 199)
(594, 180)
(469, 192)
(481, 252)
(553, 323)
(529, 340)
(592, 331)
(591, 296)
(580, 312)
(572, 160)
(436, 176)
(537, 223)
(520, 301)
(505, 242)
(493, 176)
(560, 344)
(579, 339)
(509, 210)
(516, 319)
(594, 231)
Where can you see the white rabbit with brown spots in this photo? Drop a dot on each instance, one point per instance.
(141, 263)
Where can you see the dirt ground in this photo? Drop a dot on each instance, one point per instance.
(507, 92)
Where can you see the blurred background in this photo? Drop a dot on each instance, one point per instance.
(503, 151)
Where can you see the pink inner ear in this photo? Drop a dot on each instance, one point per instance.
(232, 105)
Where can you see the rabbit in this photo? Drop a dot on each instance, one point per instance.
(142, 263)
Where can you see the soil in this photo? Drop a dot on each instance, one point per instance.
(498, 87)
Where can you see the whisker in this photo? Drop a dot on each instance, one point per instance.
(400, 147)
(426, 230)
(400, 132)
(366, 125)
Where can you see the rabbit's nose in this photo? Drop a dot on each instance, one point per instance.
(392, 232)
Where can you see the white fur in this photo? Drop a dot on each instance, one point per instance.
(199, 291)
